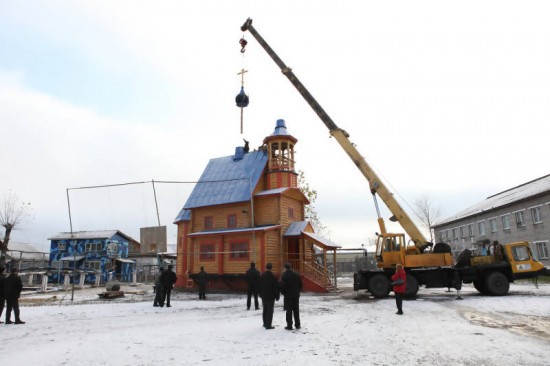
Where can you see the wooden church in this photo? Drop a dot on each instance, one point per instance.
(246, 208)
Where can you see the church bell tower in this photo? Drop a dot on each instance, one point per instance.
(280, 147)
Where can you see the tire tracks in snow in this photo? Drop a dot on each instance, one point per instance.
(527, 325)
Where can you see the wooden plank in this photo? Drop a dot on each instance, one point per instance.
(111, 294)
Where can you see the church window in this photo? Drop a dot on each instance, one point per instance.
(207, 252)
(232, 220)
(208, 222)
(239, 250)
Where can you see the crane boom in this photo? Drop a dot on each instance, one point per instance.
(376, 185)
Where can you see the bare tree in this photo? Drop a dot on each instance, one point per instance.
(13, 212)
(311, 211)
(427, 213)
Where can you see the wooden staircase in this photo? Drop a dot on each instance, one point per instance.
(317, 278)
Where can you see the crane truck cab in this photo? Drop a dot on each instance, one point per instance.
(492, 274)
(392, 250)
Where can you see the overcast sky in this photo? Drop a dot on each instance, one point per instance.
(445, 99)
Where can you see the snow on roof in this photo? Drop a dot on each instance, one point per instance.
(521, 192)
(99, 234)
(320, 239)
(22, 247)
(272, 191)
(296, 228)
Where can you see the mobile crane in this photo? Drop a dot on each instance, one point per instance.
(425, 264)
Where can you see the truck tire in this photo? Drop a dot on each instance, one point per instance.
(379, 286)
(497, 284)
(411, 286)
(480, 287)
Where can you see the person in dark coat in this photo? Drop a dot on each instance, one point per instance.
(158, 290)
(167, 280)
(2, 296)
(12, 290)
(291, 285)
(202, 279)
(399, 285)
(269, 292)
(252, 276)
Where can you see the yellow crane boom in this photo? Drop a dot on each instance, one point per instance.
(377, 187)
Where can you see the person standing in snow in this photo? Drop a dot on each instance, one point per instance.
(269, 292)
(12, 290)
(167, 280)
(291, 285)
(252, 277)
(2, 296)
(202, 279)
(158, 290)
(399, 285)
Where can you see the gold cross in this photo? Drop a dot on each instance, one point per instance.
(243, 71)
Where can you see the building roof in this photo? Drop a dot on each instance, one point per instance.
(23, 251)
(229, 179)
(322, 240)
(285, 191)
(183, 215)
(99, 234)
(72, 258)
(295, 228)
(280, 130)
(17, 246)
(512, 195)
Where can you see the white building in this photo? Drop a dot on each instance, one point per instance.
(521, 213)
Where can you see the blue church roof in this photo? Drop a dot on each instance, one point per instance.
(183, 215)
(280, 128)
(229, 179)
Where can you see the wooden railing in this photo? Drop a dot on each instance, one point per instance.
(318, 273)
(295, 263)
(313, 270)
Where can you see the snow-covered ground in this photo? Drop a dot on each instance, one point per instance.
(337, 329)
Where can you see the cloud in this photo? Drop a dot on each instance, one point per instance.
(440, 100)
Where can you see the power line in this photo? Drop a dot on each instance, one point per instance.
(157, 181)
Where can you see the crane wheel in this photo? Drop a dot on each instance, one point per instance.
(411, 286)
(379, 286)
(497, 284)
(480, 287)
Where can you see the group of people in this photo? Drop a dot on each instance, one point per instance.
(165, 283)
(163, 286)
(10, 290)
(264, 285)
(268, 288)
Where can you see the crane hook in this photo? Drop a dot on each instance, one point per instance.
(243, 44)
